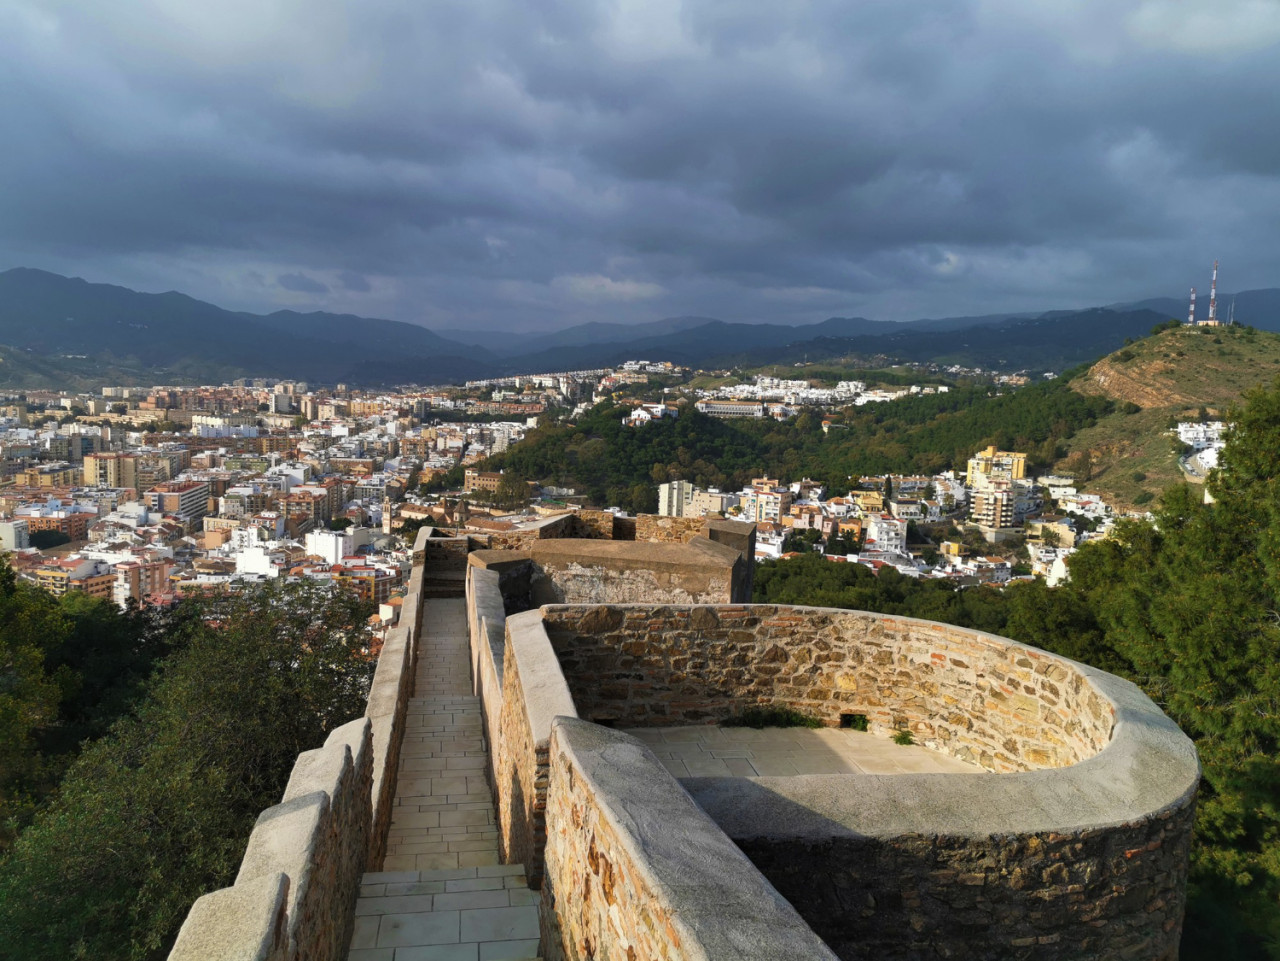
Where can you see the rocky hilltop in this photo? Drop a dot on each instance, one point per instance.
(1175, 374)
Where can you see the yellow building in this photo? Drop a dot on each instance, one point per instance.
(111, 470)
(868, 501)
(992, 464)
(53, 475)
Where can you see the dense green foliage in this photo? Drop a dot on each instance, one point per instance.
(49, 538)
(70, 668)
(619, 465)
(157, 812)
(1187, 609)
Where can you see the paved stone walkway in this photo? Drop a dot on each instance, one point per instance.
(777, 752)
(442, 895)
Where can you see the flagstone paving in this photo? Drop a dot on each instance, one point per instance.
(707, 751)
(441, 894)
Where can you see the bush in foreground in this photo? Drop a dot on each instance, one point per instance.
(157, 812)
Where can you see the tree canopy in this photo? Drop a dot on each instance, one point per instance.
(157, 811)
(620, 465)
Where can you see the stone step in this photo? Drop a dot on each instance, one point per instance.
(451, 874)
(475, 913)
(459, 574)
(441, 591)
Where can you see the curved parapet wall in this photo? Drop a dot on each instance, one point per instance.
(1079, 850)
(988, 700)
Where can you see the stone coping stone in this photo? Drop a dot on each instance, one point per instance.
(719, 902)
(241, 923)
(496, 559)
(699, 553)
(486, 602)
(546, 694)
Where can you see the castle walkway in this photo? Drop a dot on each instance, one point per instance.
(442, 894)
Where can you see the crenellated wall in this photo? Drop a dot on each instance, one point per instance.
(295, 894)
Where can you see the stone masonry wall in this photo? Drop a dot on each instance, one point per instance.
(1082, 852)
(533, 695)
(668, 530)
(570, 582)
(987, 700)
(1114, 893)
(519, 775)
(295, 894)
(635, 870)
(486, 625)
(595, 525)
(294, 898)
(443, 553)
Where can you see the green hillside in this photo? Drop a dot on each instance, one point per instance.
(26, 370)
(615, 464)
(1168, 376)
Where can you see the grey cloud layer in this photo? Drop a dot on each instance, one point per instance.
(540, 164)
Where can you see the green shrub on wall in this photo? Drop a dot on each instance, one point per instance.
(762, 717)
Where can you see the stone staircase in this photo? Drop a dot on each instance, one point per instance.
(442, 895)
(445, 583)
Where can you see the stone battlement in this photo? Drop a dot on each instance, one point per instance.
(1070, 838)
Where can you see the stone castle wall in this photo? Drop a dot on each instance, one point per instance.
(1080, 852)
(294, 897)
(1114, 892)
(534, 693)
(634, 869)
(441, 553)
(569, 572)
(1001, 705)
(304, 859)
(486, 625)
(668, 530)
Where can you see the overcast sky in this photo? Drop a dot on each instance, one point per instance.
(495, 164)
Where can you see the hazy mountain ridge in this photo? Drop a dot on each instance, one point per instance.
(173, 336)
(54, 315)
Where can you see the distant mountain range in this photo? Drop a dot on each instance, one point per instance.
(65, 325)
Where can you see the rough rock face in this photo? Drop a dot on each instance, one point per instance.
(1150, 384)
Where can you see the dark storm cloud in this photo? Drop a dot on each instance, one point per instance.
(542, 164)
(350, 280)
(302, 284)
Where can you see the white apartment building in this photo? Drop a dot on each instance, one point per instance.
(1203, 435)
(885, 533)
(14, 535)
(675, 498)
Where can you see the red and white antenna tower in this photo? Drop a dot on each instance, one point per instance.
(1191, 314)
(1213, 294)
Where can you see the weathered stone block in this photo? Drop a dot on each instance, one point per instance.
(241, 923)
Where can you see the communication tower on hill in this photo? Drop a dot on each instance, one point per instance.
(1212, 320)
(1213, 296)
